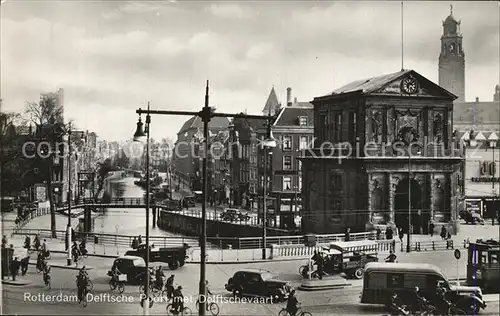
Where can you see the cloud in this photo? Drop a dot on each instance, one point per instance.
(113, 56)
(230, 11)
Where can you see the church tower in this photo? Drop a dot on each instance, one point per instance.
(452, 58)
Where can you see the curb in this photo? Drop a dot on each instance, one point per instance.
(17, 283)
(249, 261)
(89, 255)
(323, 287)
(60, 266)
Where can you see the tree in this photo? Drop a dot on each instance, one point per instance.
(44, 111)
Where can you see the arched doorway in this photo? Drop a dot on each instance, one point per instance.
(401, 205)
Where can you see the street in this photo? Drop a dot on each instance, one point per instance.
(19, 300)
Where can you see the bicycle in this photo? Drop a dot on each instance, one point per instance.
(90, 285)
(284, 312)
(185, 312)
(153, 289)
(211, 307)
(47, 281)
(116, 284)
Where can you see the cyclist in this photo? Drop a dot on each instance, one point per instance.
(170, 286)
(40, 261)
(391, 257)
(36, 242)
(114, 275)
(27, 242)
(82, 247)
(82, 273)
(46, 274)
(292, 305)
(159, 278)
(395, 305)
(178, 300)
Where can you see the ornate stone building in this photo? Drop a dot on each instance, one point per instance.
(360, 175)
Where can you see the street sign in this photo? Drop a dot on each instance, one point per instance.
(457, 254)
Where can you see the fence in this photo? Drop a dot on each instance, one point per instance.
(34, 212)
(432, 245)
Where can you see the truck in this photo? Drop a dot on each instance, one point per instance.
(174, 256)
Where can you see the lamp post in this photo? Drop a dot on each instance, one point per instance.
(69, 196)
(206, 115)
(408, 238)
(269, 143)
(138, 136)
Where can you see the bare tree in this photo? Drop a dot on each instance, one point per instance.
(45, 110)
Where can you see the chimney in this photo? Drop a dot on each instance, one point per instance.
(288, 96)
(295, 100)
(477, 99)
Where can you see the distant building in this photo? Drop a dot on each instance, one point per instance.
(186, 159)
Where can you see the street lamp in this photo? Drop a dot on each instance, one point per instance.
(141, 135)
(268, 143)
(67, 138)
(206, 114)
(408, 246)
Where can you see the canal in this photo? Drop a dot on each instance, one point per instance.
(128, 221)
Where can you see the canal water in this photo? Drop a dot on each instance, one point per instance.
(125, 221)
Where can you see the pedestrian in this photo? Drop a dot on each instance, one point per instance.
(379, 232)
(14, 268)
(401, 234)
(347, 235)
(320, 266)
(134, 243)
(443, 232)
(389, 233)
(139, 240)
(431, 229)
(448, 236)
(4, 241)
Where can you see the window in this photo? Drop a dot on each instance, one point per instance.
(299, 184)
(303, 142)
(303, 120)
(287, 163)
(287, 183)
(394, 281)
(287, 142)
(299, 164)
(338, 127)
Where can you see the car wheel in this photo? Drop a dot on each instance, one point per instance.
(359, 273)
(173, 265)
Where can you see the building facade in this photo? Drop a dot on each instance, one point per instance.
(369, 177)
(481, 172)
(185, 159)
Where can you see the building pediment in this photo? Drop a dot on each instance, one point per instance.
(412, 84)
(405, 83)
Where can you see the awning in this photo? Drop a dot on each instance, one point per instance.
(493, 136)
(480, 136)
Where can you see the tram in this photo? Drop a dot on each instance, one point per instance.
(483, 268)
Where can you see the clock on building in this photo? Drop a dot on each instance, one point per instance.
(409, 85)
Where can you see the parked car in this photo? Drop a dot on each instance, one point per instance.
(257, 282)
(472, 217)
(233, 215)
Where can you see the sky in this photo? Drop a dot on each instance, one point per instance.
(112, 57)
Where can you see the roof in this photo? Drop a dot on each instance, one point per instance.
(130, 257)
(254, 270)
(272, 102)
(390, 83)
(289, 115)
(355, 243)
(196, 122)
(403, 267)
(477, 135)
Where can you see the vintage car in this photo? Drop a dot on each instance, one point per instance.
(383, 279)
(132, 266)
(471, 217)
(175, 257)
(257, 282)
(234, 215)
(355, 255)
